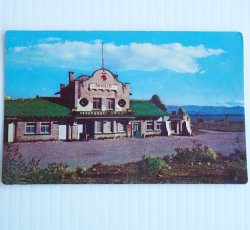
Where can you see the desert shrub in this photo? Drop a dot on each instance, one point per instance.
(79, 171)
(15, 168)
(237, 165)
(152, 165)
(239, 151)
(54, 173)
(237, 170)
(205, 154)
(13, 165)
(184, 155)
(198, 153)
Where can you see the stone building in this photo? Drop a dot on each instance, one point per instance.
(90, 107)
(180, 123)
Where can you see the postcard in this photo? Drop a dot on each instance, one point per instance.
(115, 107)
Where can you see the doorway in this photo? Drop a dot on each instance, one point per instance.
(137, 129)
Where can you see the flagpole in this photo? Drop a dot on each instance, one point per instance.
(102, 57)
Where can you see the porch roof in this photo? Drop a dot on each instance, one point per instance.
(39, 107)
(144, 108)
(34, 107)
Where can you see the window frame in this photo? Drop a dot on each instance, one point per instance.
(158, 123)
(28, 125)
(97, 101)
(152, 124)
(111, 126)
(101, 126)
(112, 102)
(45, 124)
(124, 127)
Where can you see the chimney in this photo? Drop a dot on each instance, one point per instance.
(62, 86)
(71, 76)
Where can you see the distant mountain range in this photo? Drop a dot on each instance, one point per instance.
(194, 110)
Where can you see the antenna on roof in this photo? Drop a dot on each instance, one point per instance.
(102, 57)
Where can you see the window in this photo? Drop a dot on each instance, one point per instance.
(150, 125)
(45, 128)
(107, 127)
(120, 127)
(158, 125)
(110, 103)
(97, 103)
(98, 126)
(30, 128)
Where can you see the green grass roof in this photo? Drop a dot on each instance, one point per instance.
(38, 107)
(143, 108)
(35, 107)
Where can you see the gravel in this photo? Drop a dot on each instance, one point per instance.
(116, 151)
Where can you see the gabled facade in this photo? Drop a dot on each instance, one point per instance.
(89, 107)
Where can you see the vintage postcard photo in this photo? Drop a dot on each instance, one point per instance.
(124, 107)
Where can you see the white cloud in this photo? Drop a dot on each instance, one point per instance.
(135, 56)
(236, 102)
(49, 39)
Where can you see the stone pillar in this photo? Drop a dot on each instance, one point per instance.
(178, 128)
(69, 132)
(155, 124)
(74, 132)
(114, 127)
(38, 127)
(143, 128)
(132, 129)
(181, 127)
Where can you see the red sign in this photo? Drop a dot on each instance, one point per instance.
(104, 78)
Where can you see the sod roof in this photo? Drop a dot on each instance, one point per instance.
(35, 107)
(143, 108)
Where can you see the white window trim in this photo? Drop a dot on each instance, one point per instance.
(158, 123)
(111, 127)
(45, 133)
(119, 131)
(97, 132)
(100, 103)
(26, 125)
(152, 124)
(109, 100)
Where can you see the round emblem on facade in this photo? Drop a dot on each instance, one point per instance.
(121, 102)
(84, 102)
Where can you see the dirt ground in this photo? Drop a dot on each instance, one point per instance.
(120, 151)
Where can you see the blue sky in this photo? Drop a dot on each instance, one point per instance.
(183, 68)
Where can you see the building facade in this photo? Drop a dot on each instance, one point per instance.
(90, 107)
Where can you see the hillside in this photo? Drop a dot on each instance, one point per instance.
(194, 110)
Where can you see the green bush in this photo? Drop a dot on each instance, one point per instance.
(15, 169)
(237, 170)
(79, 171)
(54, 173)
(153, 165)
(198, 153)
(237, 166)
(13, 165)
